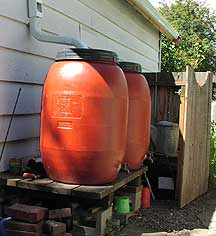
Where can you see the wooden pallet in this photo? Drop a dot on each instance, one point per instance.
(91, 192)
(95, 202)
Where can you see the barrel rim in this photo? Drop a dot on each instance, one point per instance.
(127, 66)
(86, 54)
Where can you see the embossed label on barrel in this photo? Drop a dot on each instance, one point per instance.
(67, 106)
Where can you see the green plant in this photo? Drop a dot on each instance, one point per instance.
(195, 22)
(213, 155)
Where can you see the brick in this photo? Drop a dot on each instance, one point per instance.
(60, 213)
(10, 232)
(54, 228)
(23, 226)
(31, 214)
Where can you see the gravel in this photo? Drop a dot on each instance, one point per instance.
(166, 216)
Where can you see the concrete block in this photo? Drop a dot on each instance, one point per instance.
(102, 217)
(124, 218)
(54, 228)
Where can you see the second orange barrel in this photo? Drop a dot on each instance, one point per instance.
(139, 115)
(84, 117)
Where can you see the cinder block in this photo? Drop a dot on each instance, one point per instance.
(60, 213)
(23, 226)
(135, 200)
(82, 230)
(102, 217)
(32, 214)
(68, 223)
(124, 218)
(54, 228)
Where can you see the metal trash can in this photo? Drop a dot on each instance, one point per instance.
(167, 138)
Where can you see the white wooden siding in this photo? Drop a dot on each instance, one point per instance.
(24, 61)
(21, 148)
(29, 92)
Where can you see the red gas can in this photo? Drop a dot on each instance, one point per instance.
(139, 115)
(84, 117)
(146, 198)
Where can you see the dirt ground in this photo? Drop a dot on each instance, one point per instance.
(166, 216)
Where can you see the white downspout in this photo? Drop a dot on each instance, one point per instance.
(35, 15)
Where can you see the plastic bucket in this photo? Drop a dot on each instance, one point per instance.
(123, 205)
(146, 198)
(2, 222)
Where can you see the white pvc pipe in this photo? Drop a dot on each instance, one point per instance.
(35, 27)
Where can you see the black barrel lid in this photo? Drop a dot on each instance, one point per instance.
(86, 54)
(130, 66)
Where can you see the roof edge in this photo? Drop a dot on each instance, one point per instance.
(146, 9)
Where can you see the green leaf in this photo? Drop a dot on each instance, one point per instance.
(196, 25)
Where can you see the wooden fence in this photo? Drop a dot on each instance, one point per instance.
(185, 98)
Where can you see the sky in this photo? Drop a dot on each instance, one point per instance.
(211, 3)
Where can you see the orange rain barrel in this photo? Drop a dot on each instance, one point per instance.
(84, 117)
(139, 115)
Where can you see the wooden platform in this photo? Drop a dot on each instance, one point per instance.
(91, 192)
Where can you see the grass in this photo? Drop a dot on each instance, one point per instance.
(213, 155)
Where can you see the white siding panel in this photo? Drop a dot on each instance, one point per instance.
(124, 16)
(20, 149)
(22, 67)
(22, 127)
(18, 37)
(66, 23)
(108, 29)
(15, 9)
(58, 23)
(94, 39)
(29, 100)
(118, 12)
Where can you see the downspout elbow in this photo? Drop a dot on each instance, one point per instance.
(35, 27)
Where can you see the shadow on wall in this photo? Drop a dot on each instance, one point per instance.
(23, 134)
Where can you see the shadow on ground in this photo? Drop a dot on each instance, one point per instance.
(166, 216)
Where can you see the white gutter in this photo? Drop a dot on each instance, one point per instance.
(145, 8)
(35, 15)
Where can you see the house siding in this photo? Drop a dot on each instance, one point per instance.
(24, 61)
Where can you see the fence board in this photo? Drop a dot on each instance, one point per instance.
(192, 111)
(195, 168)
